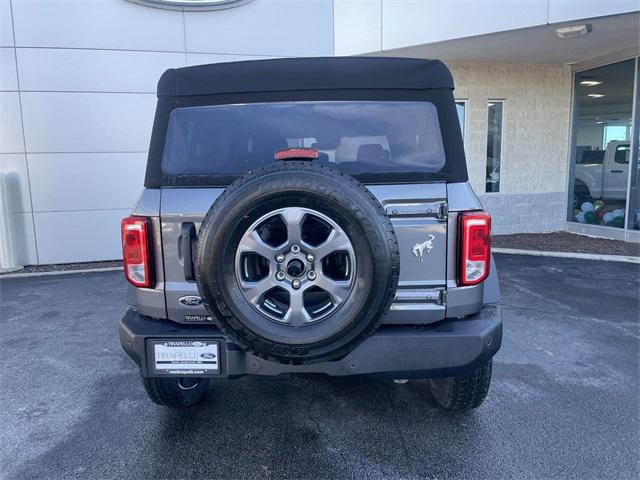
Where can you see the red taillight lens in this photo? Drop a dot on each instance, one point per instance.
(135, 251)
(475, 247)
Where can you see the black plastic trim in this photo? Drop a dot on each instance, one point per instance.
(447, 348)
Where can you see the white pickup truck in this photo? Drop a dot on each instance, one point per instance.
(602, 174)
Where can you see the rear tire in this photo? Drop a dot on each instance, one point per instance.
(462, 393)
(176, 392)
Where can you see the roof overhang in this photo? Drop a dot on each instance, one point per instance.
(609, 36)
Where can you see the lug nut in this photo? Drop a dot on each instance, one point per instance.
(295, 248)
(280, 275)
(311, 257)
(296, 284)
(311, 275)
(280, 258)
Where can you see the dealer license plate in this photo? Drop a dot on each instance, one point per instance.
(186, 357)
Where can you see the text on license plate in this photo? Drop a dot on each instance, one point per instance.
(186, 357)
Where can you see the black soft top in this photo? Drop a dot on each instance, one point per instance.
(309, 79)
(294, 74)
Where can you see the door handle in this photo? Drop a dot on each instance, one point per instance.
(187, 240)
(616, 171)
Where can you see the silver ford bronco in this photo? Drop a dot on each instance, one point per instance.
(309, 215)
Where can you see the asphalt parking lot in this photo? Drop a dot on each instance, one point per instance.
(564, 402)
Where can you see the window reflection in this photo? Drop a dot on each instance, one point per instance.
(494, 145)
(604, 104)
(634, 194)
(460, 108)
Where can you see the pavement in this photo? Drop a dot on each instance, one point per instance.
(564, 402)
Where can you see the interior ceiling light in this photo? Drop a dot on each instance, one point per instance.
(573, 31)
(596, 95)
(590, 83)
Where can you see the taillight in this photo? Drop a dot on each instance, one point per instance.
(135, 251)
(475, 247)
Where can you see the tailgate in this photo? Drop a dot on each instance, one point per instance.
(418, 214)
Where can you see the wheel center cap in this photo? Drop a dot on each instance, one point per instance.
(295, 267)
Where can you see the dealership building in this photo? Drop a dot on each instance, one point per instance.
(547, 96)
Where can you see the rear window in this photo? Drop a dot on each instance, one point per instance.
(358, 136)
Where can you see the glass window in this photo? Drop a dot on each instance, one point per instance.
(602, 128)
(634, 194)
(622, 153)
(494, 145)
(613, 133)
(461, 109)
(359, 137)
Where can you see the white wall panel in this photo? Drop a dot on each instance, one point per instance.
(14, 165)
(65, 237)
(93, 70)
(6, 29)
(566, 10)
(264, 27)
(87, 122)
(8, 75)
(357, 26)
(24, 238)
(411, 22)
(203, 58)
(113, 24)
(10, 124)
(86, 181)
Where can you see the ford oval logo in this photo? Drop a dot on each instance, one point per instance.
(191, 4)
(190, 301)
(208, 355)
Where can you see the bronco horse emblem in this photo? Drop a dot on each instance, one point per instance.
(419, 248)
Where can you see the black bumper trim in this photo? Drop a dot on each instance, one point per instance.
(449, 347)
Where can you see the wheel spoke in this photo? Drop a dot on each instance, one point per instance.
(336, 241)
(252, 243)
(293, 263)
(293, 218)
(297, 315)
(337, 289)
(253, 290)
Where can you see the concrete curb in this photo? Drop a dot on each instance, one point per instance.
(584, 256)
(59, 272)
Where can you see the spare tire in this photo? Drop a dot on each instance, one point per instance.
(297, 262)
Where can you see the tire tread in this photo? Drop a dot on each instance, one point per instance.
(467, 392)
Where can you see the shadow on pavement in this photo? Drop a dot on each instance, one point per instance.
(302, 427)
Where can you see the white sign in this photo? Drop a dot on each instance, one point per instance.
(187, 357)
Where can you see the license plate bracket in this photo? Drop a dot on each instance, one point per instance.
(192, 357)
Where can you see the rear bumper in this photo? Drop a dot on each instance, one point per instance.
(450, 347)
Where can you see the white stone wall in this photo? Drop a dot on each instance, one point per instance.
(536, 120)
